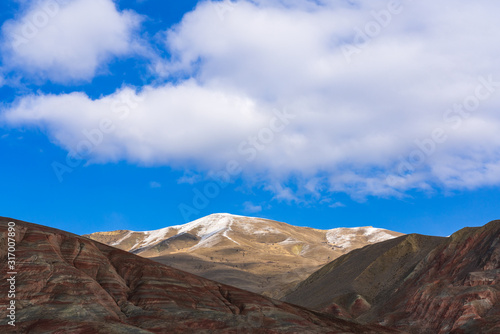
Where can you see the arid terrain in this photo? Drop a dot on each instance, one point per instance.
(409, 284)
(258, 255)
(70, 284)
(416, 283)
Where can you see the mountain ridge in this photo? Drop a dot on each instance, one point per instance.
(256, 254)
(224, 225)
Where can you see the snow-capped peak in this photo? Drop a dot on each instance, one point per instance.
(203, 228)
(212, 229)
(208, 225)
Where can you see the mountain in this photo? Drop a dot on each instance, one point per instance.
(361, 279)
(258, 255)
(70, 284)
(415, 283)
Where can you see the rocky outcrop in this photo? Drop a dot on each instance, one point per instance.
(70, 284)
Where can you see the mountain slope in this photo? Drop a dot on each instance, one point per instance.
(69, 284)
(361, 279)
(415, 283)
(259, 255)
(455, 289)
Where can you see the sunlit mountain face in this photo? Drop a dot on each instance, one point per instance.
(259, 255)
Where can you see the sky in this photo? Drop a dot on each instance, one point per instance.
(144, 114)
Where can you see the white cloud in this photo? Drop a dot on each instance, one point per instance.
(154, 185)
(251, 208)
(173, 125)
(355, 122)
(337, 205)
(190, 177)
(67, 40)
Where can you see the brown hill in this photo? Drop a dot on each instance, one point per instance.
(363, 278)
(455, 289)
(416, 283)
(258, 255)
(70, 284)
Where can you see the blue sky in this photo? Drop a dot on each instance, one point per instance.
(143, 114)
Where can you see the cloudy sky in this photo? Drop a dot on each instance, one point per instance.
(326, 113)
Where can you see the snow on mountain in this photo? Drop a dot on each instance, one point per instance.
(344, 237)
(205, 228)
(212, 229)
(256, 254)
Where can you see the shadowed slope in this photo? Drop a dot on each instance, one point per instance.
(455, 289)
(363, 278)
(415, 283)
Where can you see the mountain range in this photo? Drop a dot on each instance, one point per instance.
(70, 284)
(376, 281)
(259, 255)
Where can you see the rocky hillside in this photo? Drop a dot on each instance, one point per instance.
(362, 279)
(455, 288)
(259, 255)
(416, 283)
(70, 284)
